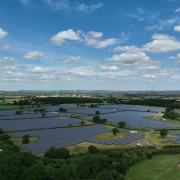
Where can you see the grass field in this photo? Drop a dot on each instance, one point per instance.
(18, 141)
(83, 147)
(164, 167)
(157, 140)
(110, 135)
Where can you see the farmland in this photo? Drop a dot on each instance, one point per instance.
(75, 125)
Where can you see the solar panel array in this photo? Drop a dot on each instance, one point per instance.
(37, 123)
(49, 129)
(136, 119)
(68, 136)
(61, 137)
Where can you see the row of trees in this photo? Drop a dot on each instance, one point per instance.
(170, 113)
(57, 100)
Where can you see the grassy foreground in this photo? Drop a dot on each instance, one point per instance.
(164, 167)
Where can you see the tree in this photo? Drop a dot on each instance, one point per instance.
(1, 131)
(96, 119)
(122, 124)
(57, 153)
(97, 113)
(103, 121)
(19, 112)
(25, 139)
(43, 114)
(115, 131)
(163, 132)
(63, 110)
(92, 149)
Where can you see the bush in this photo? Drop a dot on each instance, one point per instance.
(92, 149)
(96, 119)
(4, 137)
(57, 153)
(122, 124)
(25, 139)
(163, 132)
(115, 131)
(109, 175)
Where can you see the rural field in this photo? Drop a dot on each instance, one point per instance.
(160, 167)
(89, 90)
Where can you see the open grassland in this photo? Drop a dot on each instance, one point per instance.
(159, 117)
(18, 141)
(164, 167)
(83, 147)
(110, 135)
(156, 140)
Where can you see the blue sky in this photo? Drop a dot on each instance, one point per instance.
(75, 44)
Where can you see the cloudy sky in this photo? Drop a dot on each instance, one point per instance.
(94, 44)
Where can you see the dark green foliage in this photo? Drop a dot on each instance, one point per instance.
(43, 114)
(63, 110)
(109, 175)
(97, 113)
(115, 131)
(96, 119)
(170, 113)
(93, 105)
(4, 137)
(57, 100)
(57, 153)
(122, 124)
(58, 165)
(19, 112)
(154, 102)
(92, 149)
(163, 132)
(1, 131)
(25, 139)
(82, 122)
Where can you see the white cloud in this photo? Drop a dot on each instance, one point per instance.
(73, 6)
(34, 55)
(38, 69)
(101, 43)
(4, 46)
(177, 10)
(95, 34)
(149, 76)
(131, 49)
(88, 8)
(3, 33)
(91, 38)
(162, 43)
(62, 36)
(71, 60)
(177, 28)
(133, 56)
(150, 28)
(95, 39)
(177, 57)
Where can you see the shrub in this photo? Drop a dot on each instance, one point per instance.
(163, 132)
(57, 153)
(115, 131)
(122, 124)
(25, 139)
(92, 149)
